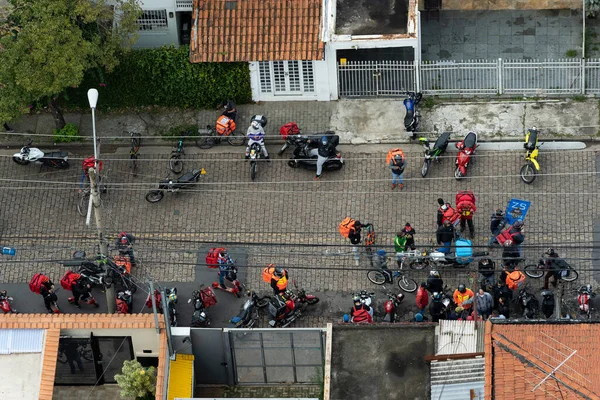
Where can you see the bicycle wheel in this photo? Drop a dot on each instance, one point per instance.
(573, 275)
(406, 284)
(528, 173)
(133, 165)
(252, 170)
(533, 271)
(82, 204)
(176, 164)
(236, 139)
(376, 276)
(206, 140)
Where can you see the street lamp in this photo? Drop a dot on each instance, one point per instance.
(92, 95)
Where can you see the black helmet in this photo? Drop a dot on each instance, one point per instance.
(278, 272)
(356, 299)
(499, 211)
(550, 251)
(462, 288)
(441, 201)
(518, 225)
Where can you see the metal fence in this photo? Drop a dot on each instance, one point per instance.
(471, 77)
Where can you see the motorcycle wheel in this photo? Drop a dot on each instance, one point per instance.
(154, 196)
(62, 164)
(236, 139)
(533, 271)
(263, 301)
(285, 146)
(312, 301)
(293, 163)
(457, 174)
(425, 169)
(176, 164)
(406, 284)
(376, 276)
(418, 265)
(573, 275)
(333, 166)
(206, 142)
(528, 173)
(20, 161)
(253, 170)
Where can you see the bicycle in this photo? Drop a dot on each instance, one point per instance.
(84, 195)
(136, 141)
(382, 276)
(176, 162)
(212, 137)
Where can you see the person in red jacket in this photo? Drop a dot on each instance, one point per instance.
(465, 206)
(422, 297)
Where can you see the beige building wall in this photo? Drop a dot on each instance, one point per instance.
(475, 5)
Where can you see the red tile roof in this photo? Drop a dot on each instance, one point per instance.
(522, 355)
(256, 30)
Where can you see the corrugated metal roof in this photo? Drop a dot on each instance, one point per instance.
(456, 337)
(455, 379)
(13, 341)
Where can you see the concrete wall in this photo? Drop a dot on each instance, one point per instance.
(149, 39)
(142, 339)
(381, 361)
(509, 4)
(21, 375)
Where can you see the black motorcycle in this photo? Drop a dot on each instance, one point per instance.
(255, 155)
(185, 181)
(306, 155)
(435, 152)
(412, 118)
(101, 271)
(248, 315)
(201, 300)
(529, 304)
(547, 303)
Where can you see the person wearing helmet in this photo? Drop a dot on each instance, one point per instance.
(553, 265)
(256, 134)
(497, 222)
(360, 312)
(436, 308)
(463, 297)
(435, 284)
(229, 109)
(397, 165)
(279, 281)
(227, 269)
(486, 272)
(409, 232)
(48, 295)
(445, 236)
(124, 243)
(511, 254)
(447, 213)
(327, 148)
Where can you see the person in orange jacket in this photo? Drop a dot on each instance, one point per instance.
(463, 297)
(422, 297)
(279, 281)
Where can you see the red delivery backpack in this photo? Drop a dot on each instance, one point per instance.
(207, 296)
(291, 128)
(68, 279)
(90, 162)
(393, 153)
(212, 258)
(465, 195)
(465, 203)
(35, 283)
(505, 238)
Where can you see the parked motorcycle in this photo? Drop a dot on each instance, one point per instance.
(391, 306)
(531, 168)
(94, 273)
(248, 315)
(434, 259)
(566, 273)
(5, 303)
(529, 304)
(466, 150)
(54, 159)
(287, 308)
(584, 295)
(412, 119)
(435, 152)
(547, 303)
(185, 181)
(255, 155)
(171, 294)
(124, 301)
(102, 271)
(288, 133)
(306, 155)
(202, 299)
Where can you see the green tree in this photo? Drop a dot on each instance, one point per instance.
(47, 45)
(137, 381)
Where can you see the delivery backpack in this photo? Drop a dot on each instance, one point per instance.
(267, 273)
(35, 284)
(505, 238)
(225, 125)
(346, 226)
(393, 153)
(515, 280)
(212, 258)
(464, 251)
(465, 196)
(207, 296)
(291, 128)
(277, 306)
(68, 279)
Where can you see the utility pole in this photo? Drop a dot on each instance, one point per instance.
(165, 308)
(153, 305)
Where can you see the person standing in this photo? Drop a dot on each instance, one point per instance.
(463, 297)
(447, 213)
(409, 234)
(400, 247)
(279, 281)
(484, 303)
(444, 237)
(422, 298)
(465, 206)
(229, 109)
(327, 148)
(497, 222)
(47, 292)
(397, 164)
(124, 244)
(503, 308)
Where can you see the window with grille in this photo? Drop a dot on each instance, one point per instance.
(279, 76)
(294, 75)
(308, 76)
(153, 20)
(264, 72)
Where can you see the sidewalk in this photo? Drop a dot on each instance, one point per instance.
(356, 121)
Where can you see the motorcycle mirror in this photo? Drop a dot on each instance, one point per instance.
(189, 301)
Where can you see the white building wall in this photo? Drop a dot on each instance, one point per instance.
(148, 39)
(21, 376)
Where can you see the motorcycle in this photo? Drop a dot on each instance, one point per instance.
(55, 159)
(466, 150)
(566, 272)
(95, 274)
(391, 306)
(185, 181)
(584, 295)
(171, 294)
(439, 148)
(529, 304)
(434, 259)
(88, 300)
(306, 155)
(255, 155)
(104, 272)
(412, 119)
(285, 309)
(202, 299)
(547, 303)
(366, 298)
(5, 303)
(124, 301)
(288, 132)
(248, 315)
(531, 168)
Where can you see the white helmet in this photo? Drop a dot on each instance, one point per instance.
(255, 124)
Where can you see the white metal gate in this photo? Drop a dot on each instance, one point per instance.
(375, 78)
(286, 77)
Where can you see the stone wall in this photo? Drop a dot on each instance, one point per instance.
(468, 5)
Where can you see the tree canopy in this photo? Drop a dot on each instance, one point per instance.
(47, 45)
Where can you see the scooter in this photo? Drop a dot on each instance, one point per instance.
(412, 119)
(248, 315)
(529, 304)
(285, 309)
(547, 303)
(5, 303)
(391, 306)
(202, 299)
(466, 149)
(306, 155)
(531, 168)
(255, 155)
(435, 152)
(185, 181)
(231, 277)
(124, 301)
(584, 295)
(55, 159)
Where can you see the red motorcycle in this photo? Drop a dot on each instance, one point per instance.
(124, 301)
(286, 308)
(466, 149)
(584, 295)
(391, 306)
(5, 303)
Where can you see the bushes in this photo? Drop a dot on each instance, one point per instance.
(164, 77)
(69, 133)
